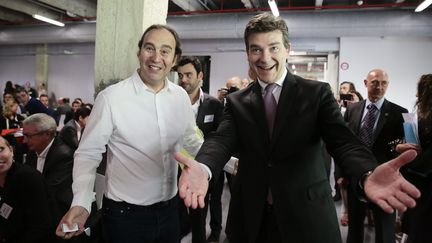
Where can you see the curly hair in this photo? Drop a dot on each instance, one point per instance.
(424, 98)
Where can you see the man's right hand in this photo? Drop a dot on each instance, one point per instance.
(76, 214)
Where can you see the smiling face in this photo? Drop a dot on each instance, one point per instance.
(267, 55)
(156, 57)
(6, 157)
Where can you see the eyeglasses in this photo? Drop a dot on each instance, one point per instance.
(26, 135)
(383, 83)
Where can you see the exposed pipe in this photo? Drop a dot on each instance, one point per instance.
(282, 8)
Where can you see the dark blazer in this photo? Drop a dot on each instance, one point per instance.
(388, 130)
(417, 221)
(57, 172)
(34, 106)
(69, 134)
(30, 220)
(209, 116)
(212, 110)
(291, 162)
(389, 127)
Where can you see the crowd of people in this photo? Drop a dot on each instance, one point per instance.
(271, 132)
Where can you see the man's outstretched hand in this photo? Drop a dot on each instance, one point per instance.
(193, 183)
(387, 188)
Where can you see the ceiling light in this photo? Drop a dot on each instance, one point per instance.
(423, 5)
(48, 20)
(273, 7)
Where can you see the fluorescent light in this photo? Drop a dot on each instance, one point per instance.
(423, 5)
(48, 20)
(273, 7)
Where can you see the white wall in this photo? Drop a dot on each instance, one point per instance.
(18, 69)
(405, 60)
(72, 76)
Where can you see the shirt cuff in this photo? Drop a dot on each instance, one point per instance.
(206, 168)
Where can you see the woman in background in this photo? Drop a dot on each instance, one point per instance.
(10, 118)
(25, 208)
(417, 221)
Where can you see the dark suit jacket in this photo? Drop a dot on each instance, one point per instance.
(57, 172)
(34, 106)
(291, 162)
(389, 127)
(69, 134)
(212, 110)
(417, 221)
(30, 220)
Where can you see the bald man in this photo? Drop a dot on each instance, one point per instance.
(233, 84)
(386, 127)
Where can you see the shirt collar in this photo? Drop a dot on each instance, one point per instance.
(78, 126)
(379, 103)
(201, 97)
(45, 152)
(140, 86)
(279, 82)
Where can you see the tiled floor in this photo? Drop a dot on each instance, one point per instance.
(369, 232)
(369, 236)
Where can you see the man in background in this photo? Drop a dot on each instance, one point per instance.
(378, 123)
(208, 113)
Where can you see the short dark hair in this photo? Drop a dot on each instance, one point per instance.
(178, 50)
(351, 85)
(192, 60)
(76, 102)
(20, 89)
(263, 23)
(81, 112)
(43, 95)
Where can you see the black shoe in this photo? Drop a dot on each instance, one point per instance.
(214, 236)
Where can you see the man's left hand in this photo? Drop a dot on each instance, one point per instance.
(387, 188)
(193, 182)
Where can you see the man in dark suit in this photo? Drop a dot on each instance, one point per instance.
(281, 193)
(386, 128)
(208, 113)
(72, 130)
(31, 105)
(50, 156)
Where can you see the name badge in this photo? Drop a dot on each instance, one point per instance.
(208, 118)
(5, 210)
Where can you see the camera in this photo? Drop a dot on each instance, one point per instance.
(231, 90)
(346, 96)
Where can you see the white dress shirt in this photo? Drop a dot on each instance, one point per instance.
(79, 128)
(143, 130)
(278, 89)
(42, 156)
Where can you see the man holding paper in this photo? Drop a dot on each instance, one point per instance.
(378, 123)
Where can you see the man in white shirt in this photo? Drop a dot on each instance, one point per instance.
(143, 120)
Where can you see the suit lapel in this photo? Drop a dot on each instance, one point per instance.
(382, 119)
(357, 113)
(200, 114)
(285, 105)
(257, 111)
(48, 161)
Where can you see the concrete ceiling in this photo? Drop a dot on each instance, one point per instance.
(19, 12)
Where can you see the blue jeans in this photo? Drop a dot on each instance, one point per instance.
(131, 223)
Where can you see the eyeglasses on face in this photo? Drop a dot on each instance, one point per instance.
(28, 135)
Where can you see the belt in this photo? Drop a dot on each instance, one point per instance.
(111, 203)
